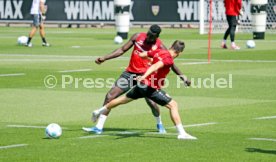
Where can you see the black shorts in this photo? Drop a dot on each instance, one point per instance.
(126, 81)
(141, 90)
(232, 20)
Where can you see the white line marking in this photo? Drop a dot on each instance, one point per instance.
(77, 70)
(198, 125)
(263, 139)
(29, 126)
(48, 56)
(25, 126)
(128, 133)
(82, 58)
(195, 125)
(7, 75)
(246, 61)
(13, 146)
(194, 63)
(266, 117)
(167, 134)
(75, 46)
(93, 136)
(44, 60)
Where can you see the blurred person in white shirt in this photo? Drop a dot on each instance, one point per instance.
(38, 12)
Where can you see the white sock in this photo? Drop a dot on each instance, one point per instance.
(158, 119)
(101, 121)
(101, 110)
(180, 129)
(224, 41)
(233, 44)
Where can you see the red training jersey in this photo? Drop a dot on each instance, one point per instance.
(157, 79)
(232, 7)
(137, 64)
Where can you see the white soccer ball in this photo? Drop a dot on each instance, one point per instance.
(22, 40)
(118, 39)
(53, 131)
(250, 44)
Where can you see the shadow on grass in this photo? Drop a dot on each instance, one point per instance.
(120, 133)
(253, 150)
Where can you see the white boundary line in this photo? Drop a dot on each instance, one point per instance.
(127, 133)
(13, 146)
(8, 75)
(246, 61)
(216, 60)
(29, 126)
(263, 139)
(77, 70)
(48, 56)
(75, 46)
(25, 126)
(44, 60)
(79, 58)
(92, 136)
(195, 125)
(164, 134)
(266, 117)
(194, 63)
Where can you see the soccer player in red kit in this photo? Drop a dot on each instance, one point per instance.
(137, 66)
(232, 11)
(150, 84)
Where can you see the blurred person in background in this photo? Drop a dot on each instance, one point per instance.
(38, 12)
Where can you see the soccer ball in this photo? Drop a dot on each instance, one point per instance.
(53, 131)
(250, 44)
(118, 39)
(22, 40)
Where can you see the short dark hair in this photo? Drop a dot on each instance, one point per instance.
(155, 29)
(178, 46)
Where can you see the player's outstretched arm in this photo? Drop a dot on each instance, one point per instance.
(143, 54)
(178, 72)
(118, 52)
(150, 70)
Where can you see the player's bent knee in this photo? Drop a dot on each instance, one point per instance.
(172, 105)
(113, 93)
(109, 97)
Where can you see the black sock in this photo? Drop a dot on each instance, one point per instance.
(29, 40)
(44, 40)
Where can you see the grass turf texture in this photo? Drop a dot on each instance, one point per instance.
(24, 100)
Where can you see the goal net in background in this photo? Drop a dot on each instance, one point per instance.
(219, 22)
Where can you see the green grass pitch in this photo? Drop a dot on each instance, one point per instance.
(232, 132)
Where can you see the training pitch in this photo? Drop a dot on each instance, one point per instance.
(235, 122)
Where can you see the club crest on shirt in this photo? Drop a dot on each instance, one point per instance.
(155, 9)
(154, 47)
